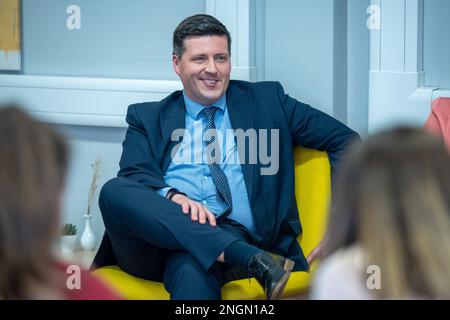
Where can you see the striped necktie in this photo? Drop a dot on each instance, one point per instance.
(223, 193)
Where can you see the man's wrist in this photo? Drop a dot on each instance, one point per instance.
(163, 191)
(172, 192)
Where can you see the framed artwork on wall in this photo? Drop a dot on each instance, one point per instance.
(10, 35)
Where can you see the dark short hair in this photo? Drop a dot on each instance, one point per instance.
(198, 25)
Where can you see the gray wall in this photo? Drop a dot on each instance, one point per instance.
(299, 49)
(319, 50)
(86, 143)
(358, 64)
(118, 38)
(437, 43)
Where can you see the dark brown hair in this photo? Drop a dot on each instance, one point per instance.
(198, 25)
(392, 198)
(33, 161)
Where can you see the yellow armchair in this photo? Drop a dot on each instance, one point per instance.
(312, 191)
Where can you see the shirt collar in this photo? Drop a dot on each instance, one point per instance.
(193, 108)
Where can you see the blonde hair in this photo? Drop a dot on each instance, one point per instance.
(393, 198)
(33, 161)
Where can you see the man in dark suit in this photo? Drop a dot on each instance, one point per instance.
(198, 201)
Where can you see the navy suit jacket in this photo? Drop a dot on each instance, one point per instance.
(262, 105)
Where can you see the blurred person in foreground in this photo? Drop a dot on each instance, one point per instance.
(389, 237)
(33, 163)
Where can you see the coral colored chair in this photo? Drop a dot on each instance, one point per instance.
(438, 122)
(312, 190)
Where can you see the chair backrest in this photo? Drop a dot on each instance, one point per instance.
(438, 122)
(312, 191)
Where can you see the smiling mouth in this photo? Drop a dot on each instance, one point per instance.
(209, 82)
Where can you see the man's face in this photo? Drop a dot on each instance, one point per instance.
(204, 68)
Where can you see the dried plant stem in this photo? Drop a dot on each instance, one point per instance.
(96, 166)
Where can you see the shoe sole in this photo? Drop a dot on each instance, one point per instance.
(281, 285)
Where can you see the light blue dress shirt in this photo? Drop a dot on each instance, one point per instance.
(189, 172)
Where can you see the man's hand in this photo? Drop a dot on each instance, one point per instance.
(315, 253)
(198, 211)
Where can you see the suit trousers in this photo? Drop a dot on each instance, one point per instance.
(153, 239)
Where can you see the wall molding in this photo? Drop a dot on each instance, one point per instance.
(88, 83)
(87, 101)
(396, 86)
(440, 93)
(81, 100)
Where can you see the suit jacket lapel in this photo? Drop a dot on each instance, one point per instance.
(172, 118)
(241, 117)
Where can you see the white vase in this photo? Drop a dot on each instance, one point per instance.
(68, 243)
(87, 239)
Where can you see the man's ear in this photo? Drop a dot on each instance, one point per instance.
(176, 64)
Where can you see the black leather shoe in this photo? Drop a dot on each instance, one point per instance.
(272, 272)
